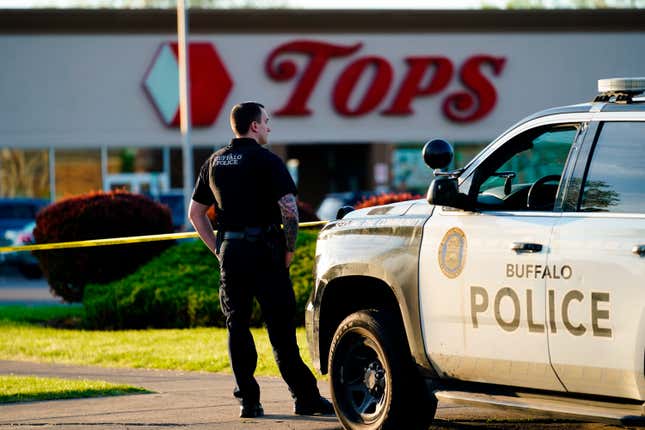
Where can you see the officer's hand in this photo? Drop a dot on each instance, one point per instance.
(287, 258)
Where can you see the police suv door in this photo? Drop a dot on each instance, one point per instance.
(597, 315)
(483, 272)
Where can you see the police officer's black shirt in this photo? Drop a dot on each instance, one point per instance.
(245, 181)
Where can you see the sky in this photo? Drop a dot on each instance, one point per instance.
(315, 4)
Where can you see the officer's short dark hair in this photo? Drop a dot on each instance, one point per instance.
(243, 114)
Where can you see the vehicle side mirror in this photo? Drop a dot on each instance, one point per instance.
(443, 190)
(343, 211)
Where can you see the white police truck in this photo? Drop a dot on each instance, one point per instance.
(518, 282)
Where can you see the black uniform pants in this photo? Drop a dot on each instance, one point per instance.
(257, 269)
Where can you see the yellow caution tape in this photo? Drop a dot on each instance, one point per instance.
(118, 240)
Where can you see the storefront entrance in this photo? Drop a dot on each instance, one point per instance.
(330, 168)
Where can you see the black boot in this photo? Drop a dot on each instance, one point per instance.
(319, 406)
(253, 410)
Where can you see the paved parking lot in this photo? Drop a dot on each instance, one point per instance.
(14, 288)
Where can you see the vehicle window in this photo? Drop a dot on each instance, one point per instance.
(17, 211)
(526, 172)
(617, 171)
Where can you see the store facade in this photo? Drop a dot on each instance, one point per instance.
(90, 98)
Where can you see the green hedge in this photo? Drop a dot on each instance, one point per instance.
(180, 288)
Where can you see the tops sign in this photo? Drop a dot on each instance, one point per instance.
(424, 76)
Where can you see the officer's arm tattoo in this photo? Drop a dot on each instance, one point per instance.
(289, 210)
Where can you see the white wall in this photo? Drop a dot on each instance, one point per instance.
(86, 90)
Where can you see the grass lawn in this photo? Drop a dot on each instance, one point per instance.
(202, 349)
(30, 388)
(57, 315)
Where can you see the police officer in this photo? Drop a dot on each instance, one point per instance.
(253, 194)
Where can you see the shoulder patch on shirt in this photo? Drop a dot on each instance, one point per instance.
(228, 159)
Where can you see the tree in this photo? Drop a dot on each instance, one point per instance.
(171, 4)
(568, 4)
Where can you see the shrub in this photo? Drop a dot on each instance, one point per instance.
(302, 269)
(97, 215)
(180, 289)
(384, 199)
(176, 289)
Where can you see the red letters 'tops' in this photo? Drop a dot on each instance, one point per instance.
(464, 106)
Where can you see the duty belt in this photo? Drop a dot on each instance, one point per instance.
(249, 233)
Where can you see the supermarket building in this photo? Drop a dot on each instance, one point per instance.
(89, 98)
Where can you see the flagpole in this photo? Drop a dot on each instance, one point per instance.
(184, 103)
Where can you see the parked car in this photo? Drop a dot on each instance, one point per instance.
(333, 201)
(25, 261)
(175, 202)
(16, 213)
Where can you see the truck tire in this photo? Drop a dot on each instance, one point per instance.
(374, 384)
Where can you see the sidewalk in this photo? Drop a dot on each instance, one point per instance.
(181, 399)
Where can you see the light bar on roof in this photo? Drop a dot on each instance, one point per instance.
(632, 85)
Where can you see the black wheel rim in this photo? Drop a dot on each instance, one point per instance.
(361, 382)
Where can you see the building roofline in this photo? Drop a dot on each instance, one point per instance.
(251, 21)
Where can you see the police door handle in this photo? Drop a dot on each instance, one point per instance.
(639, 250)
(524, 247)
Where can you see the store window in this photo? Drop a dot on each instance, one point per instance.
(77, 171)
(24, 173)
(135, 160)
(465, 152)
(138, 170)
(409, 171)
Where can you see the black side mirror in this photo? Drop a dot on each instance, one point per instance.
(443, 190)
(343, 211)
